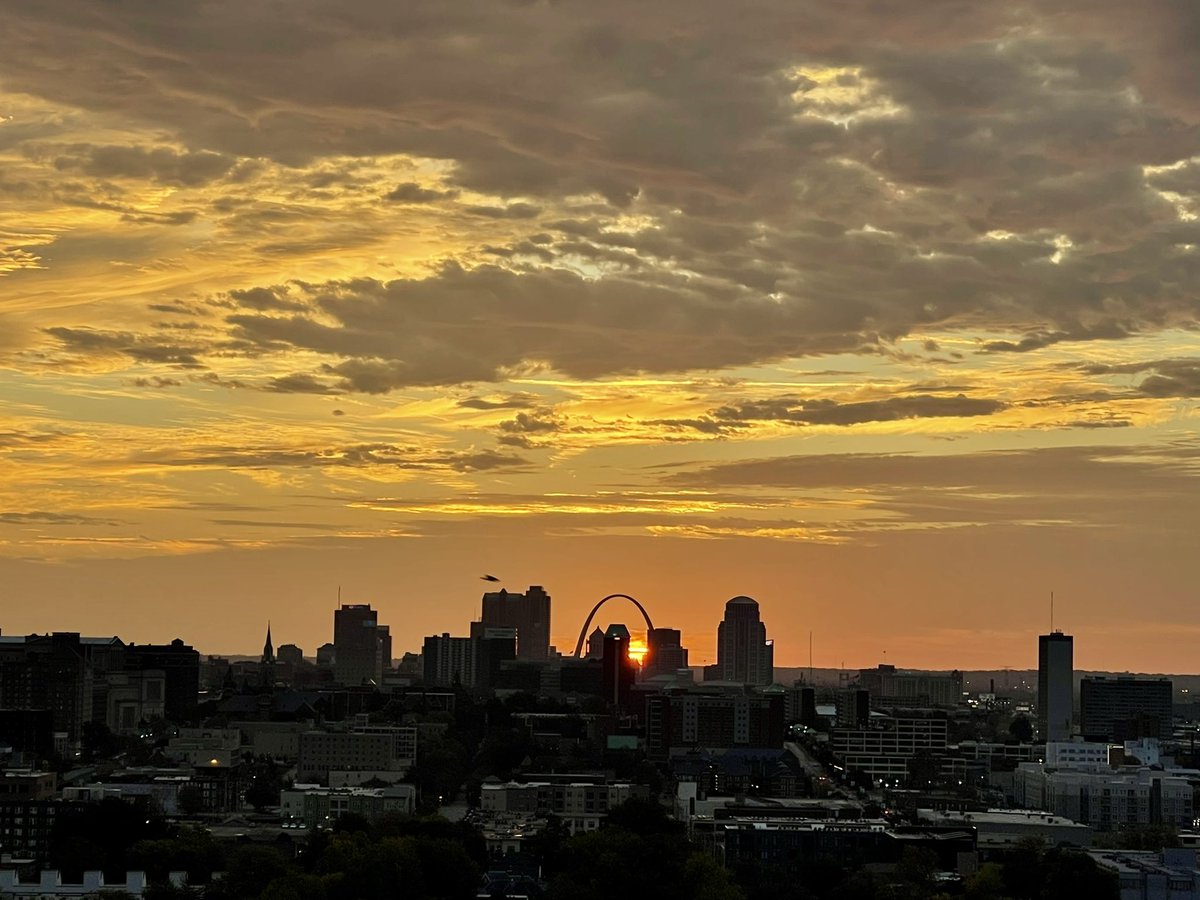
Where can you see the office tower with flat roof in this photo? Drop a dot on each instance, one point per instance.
(1056, 692)
(1125, 708)
(665, 653)
(619, 671)
(744, 654)
(359, 645)
(529, 613)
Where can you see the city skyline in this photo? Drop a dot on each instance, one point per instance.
(884, 315)
(704, 666)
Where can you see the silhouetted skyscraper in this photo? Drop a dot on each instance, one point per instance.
(529, 613)
(743, 652)
(618, 669)
(289, 654)
(1056, 692)
(665, 653)
(359, 645)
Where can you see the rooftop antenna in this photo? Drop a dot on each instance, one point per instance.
(339, 595)
(1052, 612)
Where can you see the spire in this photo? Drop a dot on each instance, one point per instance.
(268, 655)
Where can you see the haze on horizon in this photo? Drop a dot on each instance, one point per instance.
(882, 313)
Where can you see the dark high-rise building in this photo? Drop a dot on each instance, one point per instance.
(529, 613)
(704, 717)
(595, 645)
(492, 648)
(1056, 692)
(619, 670)
(665, 653)
(180, 664)
(448, 661)
(360, 645)
(326, 655)
(289, 655)
(1124, 708)
(744, 654)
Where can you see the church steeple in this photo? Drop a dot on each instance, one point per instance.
(268, 655)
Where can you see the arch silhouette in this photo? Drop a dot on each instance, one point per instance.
(596, 609)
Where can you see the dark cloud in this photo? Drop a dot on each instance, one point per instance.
(264, 299)
(53, 518)
(353, 456)
(299, 383)
(1163, 378)
(162, 164)
(511, 211)
(832, 412)
(411, 192)
(503, 401)
(251, 523)
(1099, 471)
(757, 184)
(135, 346)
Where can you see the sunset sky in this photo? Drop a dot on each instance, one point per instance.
(882, 312)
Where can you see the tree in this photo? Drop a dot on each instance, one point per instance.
(986, 884)
(917, 866)
(923, 769)
(1021, 729)
(190, 800)
(265, 783)
(639, 846)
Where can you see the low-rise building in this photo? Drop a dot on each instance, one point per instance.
(581, 806)
(884, 749)
(50, 885)
(320, 807)
(200, 746)
(749, 845)
(25, 827)
(1169, 875)
(1002, 829)
(1106, 800)
(1085, 756)
(371, 748)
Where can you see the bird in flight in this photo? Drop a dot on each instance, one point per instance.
(488, 578)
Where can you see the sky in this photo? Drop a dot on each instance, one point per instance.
(883, 313)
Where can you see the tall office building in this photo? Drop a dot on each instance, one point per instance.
(1056, 692)
(470, 662)
(180, 663)
(618, 669)
(529, 613)
(743, 652)
(360, 645)
(665, 653)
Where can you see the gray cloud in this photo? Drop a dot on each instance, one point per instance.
(162, 164)
(1163, 378)
(411, 192)
(979, 171)
(504, 401)
(353, 456)
(832, 412)
(53, 518)
(1081, 471)
(299, 383)
(137, 347)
